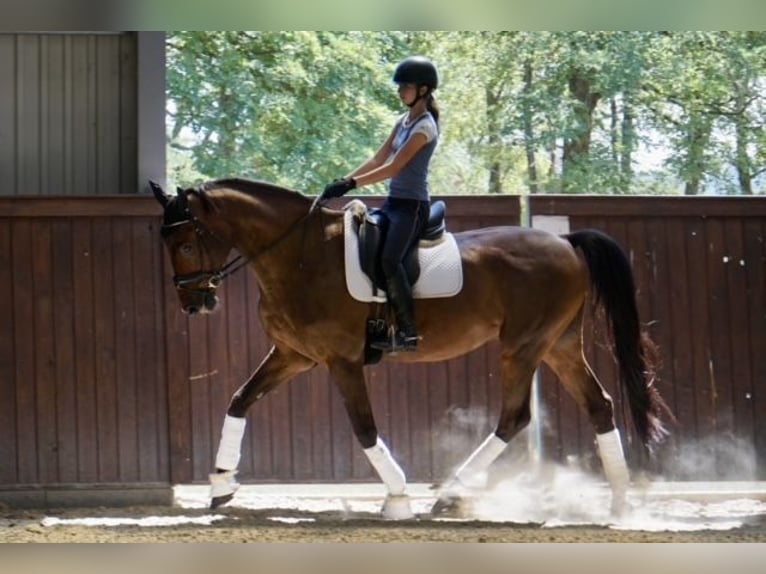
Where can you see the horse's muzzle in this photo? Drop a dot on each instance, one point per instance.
(191, 309)
(205, 302)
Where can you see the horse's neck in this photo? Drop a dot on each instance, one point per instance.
(257, 221)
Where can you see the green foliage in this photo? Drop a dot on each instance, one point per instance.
(522, 112)
(295, 108)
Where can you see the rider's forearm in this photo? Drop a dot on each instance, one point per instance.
(381, 173)
(367, 166)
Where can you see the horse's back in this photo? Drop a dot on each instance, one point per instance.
(520, 263)
(514, 242)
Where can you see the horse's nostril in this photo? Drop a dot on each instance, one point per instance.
(191, 309)
(211, 300)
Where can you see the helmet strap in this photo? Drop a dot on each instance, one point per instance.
(419, 97)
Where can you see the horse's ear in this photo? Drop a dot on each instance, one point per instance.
(180, 193)
(159, 193)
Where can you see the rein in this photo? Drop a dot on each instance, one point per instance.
(215, 278)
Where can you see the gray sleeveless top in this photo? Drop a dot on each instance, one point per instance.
(412, 181)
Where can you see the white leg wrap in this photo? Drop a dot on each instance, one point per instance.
(230, 447)
(223, 483)
(613, 461)
(473, 471)
(390, 473)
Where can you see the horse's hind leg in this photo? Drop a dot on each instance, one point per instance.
(567, 361)
(518, 367)
(279, 366)
(349, 378)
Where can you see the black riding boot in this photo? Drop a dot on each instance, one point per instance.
(399, 295)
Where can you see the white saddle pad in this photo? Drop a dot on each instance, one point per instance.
(441, 270)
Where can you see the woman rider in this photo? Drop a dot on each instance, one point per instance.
(404, 159)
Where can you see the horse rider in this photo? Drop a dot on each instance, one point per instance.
(403, 159)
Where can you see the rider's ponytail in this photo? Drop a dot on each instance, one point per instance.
(432, 107)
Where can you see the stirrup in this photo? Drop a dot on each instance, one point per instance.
(396, 342)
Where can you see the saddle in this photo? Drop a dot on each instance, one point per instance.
(372, 234)
(433, 265)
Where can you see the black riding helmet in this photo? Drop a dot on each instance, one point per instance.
(417, 70)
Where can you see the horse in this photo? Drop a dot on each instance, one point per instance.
(524, 287)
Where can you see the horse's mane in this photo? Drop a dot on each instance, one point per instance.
(249, 187)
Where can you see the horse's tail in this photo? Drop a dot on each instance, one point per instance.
(614, 288)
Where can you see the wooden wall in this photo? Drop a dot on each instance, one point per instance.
(700, 265)
(104, 380)
(82, 358)
(68, 113)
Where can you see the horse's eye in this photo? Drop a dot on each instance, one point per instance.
(187, 249)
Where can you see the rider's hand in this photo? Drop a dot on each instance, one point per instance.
(338, 187)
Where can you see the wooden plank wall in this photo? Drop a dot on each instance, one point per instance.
(699, 265)
(68, 113)
(105, 380)
(82, 361)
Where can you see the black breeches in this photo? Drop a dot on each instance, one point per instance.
(406, 219)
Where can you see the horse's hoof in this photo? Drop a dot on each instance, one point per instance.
(217, 501)
(223, 485)
(620, 507)
(397, 507)
(450, 506)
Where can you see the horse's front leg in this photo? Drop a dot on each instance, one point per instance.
(349, 378)
(280, 365)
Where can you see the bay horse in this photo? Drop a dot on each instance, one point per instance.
(526, 288)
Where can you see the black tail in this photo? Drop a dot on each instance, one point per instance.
(612, 280)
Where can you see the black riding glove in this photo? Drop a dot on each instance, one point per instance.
(338, 187)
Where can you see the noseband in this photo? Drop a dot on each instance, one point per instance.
(214, 278)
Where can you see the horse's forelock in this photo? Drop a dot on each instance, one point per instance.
(176, 210)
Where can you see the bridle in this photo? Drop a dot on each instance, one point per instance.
(214, 278)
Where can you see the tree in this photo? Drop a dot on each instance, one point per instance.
(295, 108)
(706, 97)
(743, 57)
(522, 111)
(481, 131)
